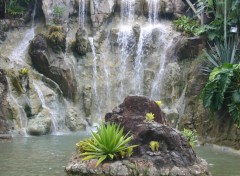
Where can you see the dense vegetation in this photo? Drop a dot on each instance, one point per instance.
(13, 8)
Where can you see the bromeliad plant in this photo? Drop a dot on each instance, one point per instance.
(154, 146)
(223, 88)
(108, 142)
(150, 117)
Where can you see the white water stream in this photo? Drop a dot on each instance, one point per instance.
(81, 13)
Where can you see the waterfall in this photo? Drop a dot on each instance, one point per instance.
(153, 6)
(97, 100)
(144, 38)
(18, 53)
(21, 115)
(81, 13)
(127, 11)
(166, 43)
(53, 115)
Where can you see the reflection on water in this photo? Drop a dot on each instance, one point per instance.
(48, 155)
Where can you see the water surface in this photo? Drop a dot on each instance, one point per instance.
(48, 155)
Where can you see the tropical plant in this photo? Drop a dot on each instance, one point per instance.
(154, 146)
(57, 38)
(188, 26)
(149, 117)
(223, 88)
(221, 53)
(223, 13)
(191, 136)
(108, 142)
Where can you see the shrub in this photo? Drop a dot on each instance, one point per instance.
(58, 12)
(108, 142)
(149, 117)
(191, 136)
(154, 146)
(188, 26)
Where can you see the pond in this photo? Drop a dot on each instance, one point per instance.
(48, 155)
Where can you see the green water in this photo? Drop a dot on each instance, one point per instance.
(48, 155)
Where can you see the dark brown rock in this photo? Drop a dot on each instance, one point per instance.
(52, 66)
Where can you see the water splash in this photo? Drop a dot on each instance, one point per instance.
(153, 6)
(81, 13)
(127, 11)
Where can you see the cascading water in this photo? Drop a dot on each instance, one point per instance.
(127, 11)
(153, 6)
(17, 55)
(166, 43)
(53, 115)
(81, 13)
(94, 77)
(145, 37)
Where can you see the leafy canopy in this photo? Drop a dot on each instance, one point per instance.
(108, 142)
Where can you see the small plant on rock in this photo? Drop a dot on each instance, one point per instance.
(57, 38)
(108, 142)
(159, 103)
(23, 71)
(191, 136)
(154, 146)
(58, 12)
(150, 117)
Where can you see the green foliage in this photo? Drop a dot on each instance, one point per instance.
(154, 146)
(149, 117)
(58, 12)
(23, 71)
(16, 7)
(219, 54)
(191, 136)
(223, 88)
(188, 26)
(214, 10)
(108, 142)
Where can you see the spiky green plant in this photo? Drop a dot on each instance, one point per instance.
(108, 142)
(23, 71)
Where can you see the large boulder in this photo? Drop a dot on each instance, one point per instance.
(81, 44)
(53, 66)
(174, 157)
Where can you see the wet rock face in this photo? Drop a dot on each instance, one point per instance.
(100, 11)
(81, 45)
(4, 106)
(52, 66)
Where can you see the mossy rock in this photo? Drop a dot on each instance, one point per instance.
(57, 38)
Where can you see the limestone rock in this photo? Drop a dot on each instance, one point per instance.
(74, 122)
(101, 11)
(87, 100)
(48, 6)
(41, 124)
(4, 106)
